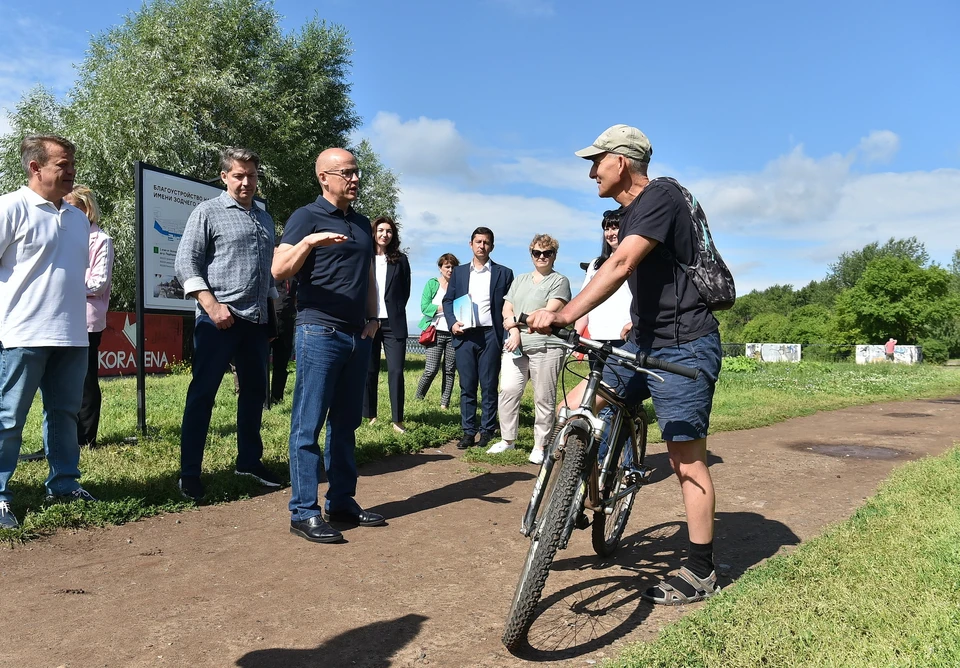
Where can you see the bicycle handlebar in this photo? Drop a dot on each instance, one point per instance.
(641, 360)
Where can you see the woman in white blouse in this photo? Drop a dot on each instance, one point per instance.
(610, 321)
(393, 291)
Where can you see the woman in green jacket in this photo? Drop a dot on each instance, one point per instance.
(442, 347)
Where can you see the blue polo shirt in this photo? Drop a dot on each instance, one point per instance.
(333, 280)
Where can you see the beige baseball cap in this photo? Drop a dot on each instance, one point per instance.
(622, 139)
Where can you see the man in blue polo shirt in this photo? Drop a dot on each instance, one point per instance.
(329, 247)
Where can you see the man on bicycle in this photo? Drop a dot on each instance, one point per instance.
(671, 322)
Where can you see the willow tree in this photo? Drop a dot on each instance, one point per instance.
(178, 80)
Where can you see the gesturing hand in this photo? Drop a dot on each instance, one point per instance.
(324, 239)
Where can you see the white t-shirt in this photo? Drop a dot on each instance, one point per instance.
(480, 293)
(43, 261)
(381, 264)
(606, 321)
(438, 320)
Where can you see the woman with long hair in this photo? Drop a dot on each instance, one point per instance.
(431, 305)
(393, 292)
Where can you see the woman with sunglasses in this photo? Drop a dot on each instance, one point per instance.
(393, 292)
(610, 321)
(531, 356)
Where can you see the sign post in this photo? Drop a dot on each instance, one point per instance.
(164, 202)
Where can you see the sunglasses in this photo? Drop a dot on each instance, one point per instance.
(537, 254)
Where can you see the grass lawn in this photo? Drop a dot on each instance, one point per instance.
(881, 589)
(134, 480)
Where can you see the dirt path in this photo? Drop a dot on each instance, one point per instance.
(229, 586)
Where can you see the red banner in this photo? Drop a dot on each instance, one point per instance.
(118, 347)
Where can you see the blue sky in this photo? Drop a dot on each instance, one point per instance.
(805, 129)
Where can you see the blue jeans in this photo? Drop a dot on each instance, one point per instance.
(331, 374)
(58, 373)
(245, 343)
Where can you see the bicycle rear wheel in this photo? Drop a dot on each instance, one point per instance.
(608, 528)
(546, 537)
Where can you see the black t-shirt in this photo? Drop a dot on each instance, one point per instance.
(333, 280)
(667, 308)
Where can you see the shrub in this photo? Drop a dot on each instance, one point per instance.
(934, 351)
(741, 365)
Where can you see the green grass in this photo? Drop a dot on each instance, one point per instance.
(881, 589)
(135, 480)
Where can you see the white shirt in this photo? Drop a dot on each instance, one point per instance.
(479, 290)
(606, 321)
(381, 267)
(43, 261)
(438, 320)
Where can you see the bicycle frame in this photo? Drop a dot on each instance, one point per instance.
(584, 418)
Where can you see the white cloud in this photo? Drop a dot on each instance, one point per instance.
(791, 190)
(436, 214)
(420, 147)
(570, 174)
(879, 146)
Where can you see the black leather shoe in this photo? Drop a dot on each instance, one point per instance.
(316, 530)
(485, 439)
(466, 441)
(363, 518)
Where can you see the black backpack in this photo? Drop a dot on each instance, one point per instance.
(708, 272)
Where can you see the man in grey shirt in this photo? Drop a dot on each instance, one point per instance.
(224, 263)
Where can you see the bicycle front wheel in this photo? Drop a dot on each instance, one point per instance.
(546, 537)
(608, 528)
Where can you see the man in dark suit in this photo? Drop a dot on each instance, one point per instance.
(478, 348)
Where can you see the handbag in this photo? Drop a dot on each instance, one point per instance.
(429, 335)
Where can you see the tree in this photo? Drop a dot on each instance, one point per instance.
(809, 324)
(895, 297)
(766, 328)
(180, 79)
(822, 293)
(849, 267)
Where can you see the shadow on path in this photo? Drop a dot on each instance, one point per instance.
(587, 616)
(369, 646)
(479, 487)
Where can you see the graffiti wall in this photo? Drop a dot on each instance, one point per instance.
(773, 352)
(901, 355)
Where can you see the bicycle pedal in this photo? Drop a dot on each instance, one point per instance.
(582, 521)
(639, 475)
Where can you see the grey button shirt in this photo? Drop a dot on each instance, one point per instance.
(228, 250)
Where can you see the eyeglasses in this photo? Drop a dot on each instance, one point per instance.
(346, 174)
(546, 254)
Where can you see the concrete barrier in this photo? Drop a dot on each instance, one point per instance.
(774, 352)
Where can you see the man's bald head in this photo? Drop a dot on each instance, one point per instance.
(339, 176)
(332, 158)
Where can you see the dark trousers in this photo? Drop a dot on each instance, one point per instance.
(88, 419)
(478, 363)
(246, 344)
(282, 349)
(395, 351)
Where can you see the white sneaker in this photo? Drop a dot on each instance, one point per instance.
(498, 447)
(536, 456)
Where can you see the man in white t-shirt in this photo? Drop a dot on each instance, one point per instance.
(43, 317)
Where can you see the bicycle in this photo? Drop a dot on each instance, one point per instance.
(572, 478)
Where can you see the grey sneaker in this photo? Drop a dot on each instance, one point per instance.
(7, 519)
(79, 494)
